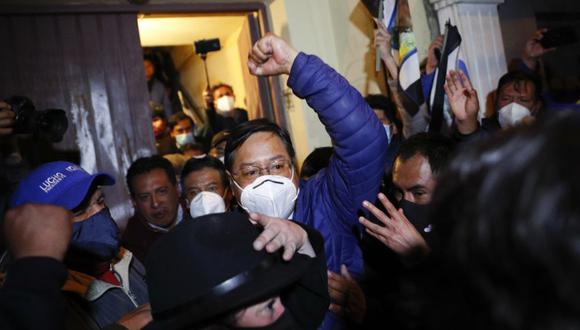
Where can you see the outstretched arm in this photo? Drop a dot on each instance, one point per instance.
(360, 142)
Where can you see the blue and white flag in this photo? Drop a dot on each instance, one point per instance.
(450, 60)
(405, 46)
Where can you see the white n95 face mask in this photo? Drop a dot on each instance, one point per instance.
(206, 202)
(225, 103)
(512, 115)
(271, 195)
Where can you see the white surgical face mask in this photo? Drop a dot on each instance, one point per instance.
(225, 103)
(206, 202)
(183, 139)
(512, 115)
(271, 195)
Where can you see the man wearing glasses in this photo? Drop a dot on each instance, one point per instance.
(260, 158)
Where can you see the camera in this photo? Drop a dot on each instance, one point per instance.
(207, 45)
(49, 124)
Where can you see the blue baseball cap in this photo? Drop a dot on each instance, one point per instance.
(58, 183)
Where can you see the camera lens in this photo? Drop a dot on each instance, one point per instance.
(51, 124)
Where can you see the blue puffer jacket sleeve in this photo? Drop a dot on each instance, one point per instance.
(331, 200)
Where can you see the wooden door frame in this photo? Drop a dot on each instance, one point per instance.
(260, 7)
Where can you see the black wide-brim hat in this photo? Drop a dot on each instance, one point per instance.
(207, 267)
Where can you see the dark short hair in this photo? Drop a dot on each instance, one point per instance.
(193, 146)
(158, 113)
(220, 85)
(519, 78)
(508, 219)
(315, 161)
(150, 58)
(437, 148)
(176, 118)
(145, 165)
(243, 131)
(197, 164)
(381, 102)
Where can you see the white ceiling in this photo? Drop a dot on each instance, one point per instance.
(173, 31)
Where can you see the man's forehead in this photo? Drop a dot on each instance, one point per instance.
(260, 147)
(518, 88)
(184, 123)
(412, 171)
(203, 176)
(223, 89)
(155, 175)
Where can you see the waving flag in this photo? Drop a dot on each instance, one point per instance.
(450, 60)
(397, 19)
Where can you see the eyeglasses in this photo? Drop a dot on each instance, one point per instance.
(247, 174)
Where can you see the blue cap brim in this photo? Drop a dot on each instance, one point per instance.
(77, 193)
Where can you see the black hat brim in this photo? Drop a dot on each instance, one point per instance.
(253, 286)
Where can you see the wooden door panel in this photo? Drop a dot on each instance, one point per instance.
(90, 65)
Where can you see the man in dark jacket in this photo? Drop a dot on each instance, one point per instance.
(164, 143)
(153, 187)
(104, 281)
(224, 115)
(260, 158)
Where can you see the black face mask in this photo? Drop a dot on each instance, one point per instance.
(284, 322)
(417, 214)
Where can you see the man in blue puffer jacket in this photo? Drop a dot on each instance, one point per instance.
(260, 159)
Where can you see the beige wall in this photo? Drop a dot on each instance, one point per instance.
(420, 27)
(252, 99)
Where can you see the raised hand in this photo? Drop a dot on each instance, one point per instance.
(271, 55)
(533, 49)
(34, 230)
(338, 287)
(463, 101)
(432, 60)
(281, 233)
(397, 232)
(347, 297)
(383, 42)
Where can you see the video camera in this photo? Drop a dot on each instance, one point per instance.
(207, 45)
(49, 124)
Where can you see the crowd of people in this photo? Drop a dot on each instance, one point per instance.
(394, 226)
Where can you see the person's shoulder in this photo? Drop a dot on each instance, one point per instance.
(133, 221)
(134, 229)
